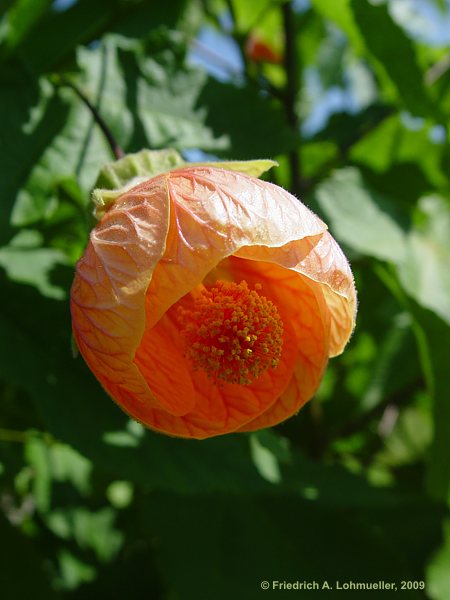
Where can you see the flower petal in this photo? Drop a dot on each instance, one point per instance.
(163, 238)
(218, 409)
(215, 213)
(108, 293)
(303, 307)
(320, 259)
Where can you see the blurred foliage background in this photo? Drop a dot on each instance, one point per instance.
(352, 98)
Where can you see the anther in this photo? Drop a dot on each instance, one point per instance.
(232, 333)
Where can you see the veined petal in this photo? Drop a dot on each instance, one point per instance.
(215, 213)
(108, 293)
(320, 259)
(191, 227)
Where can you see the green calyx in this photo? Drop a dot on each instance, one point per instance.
(118, 177)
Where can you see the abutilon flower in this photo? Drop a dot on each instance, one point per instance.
(208, 302)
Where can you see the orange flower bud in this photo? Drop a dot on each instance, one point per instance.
(208, 302)
(258, 51)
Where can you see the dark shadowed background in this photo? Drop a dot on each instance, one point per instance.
(352, 98)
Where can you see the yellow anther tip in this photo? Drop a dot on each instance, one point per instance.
(253, 326)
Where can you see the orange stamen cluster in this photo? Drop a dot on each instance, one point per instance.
(232, 333)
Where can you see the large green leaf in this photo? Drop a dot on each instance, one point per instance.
(360, 217)
(19, 20)
(341, 14)
(162, 103)
(395, 141)
(394, 53)
(371, 224)
(255, 125)
(425, 272)
(33, 120)
(78, 149)
(86, 21)
(24, 260)
(148, 97)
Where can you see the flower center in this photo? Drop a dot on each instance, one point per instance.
(232, 333)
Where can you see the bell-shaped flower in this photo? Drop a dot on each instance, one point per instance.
(208, 301)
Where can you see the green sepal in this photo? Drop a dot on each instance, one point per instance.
(255, 168)
(117, 177)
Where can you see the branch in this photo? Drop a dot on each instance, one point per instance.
(437, 70)
(21, 437)
(115, 148)
(291, 69)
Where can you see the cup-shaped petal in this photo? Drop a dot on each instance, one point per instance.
(182, 243)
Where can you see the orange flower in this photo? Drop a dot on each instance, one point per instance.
(258, 51)
(208, 302)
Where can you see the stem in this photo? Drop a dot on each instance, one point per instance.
(11, 435)
(437, 70)
(115, 148)
(21, 437)
(291, 69)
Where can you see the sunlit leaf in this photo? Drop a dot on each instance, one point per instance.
(394, 52)
(359, 217)
(341, 14)
(425, 272)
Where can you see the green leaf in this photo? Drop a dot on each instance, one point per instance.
(438, 573)
(73, 571)
(77, 149)
(342, 15)
(26, 262)
(36, 453)
(253, 124)
(120, 494)
(86, 21)
(409, 439)
(394, 54)
(360, 217)
(54, 462)
(31, 124)
(265, 461)
(156, 103)
(94, 530)
(393, 142)
(393, 366)
(20, 19)
(254, 168)
(345, 129)
(424, 272)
